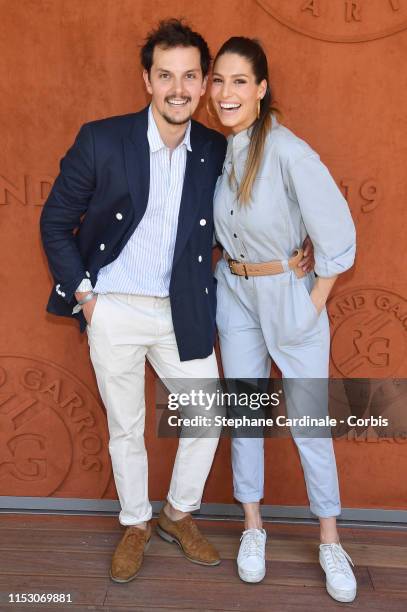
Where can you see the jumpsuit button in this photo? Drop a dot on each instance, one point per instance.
(231, 212)
(206, 290)
(202, 222)
(87, 274)
(102, 247)
(234, 235)
(199, 258)
(119, 216)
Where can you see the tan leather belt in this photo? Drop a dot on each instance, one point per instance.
(266, 268)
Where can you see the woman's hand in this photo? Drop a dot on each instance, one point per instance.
(318, 300)
(321, 291)
(307, 263)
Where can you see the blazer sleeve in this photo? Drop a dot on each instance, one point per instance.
(62, 211)
(325, 213)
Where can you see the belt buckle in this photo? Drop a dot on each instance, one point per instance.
(230, 262)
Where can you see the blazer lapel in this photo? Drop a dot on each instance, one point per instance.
(194, 182)
(137, 162)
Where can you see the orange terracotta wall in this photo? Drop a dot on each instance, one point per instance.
(339, 75)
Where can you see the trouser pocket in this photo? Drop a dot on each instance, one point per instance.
(298, 317)
(95, 311)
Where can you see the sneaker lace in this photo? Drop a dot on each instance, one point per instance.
(338, 559)
(252, 542)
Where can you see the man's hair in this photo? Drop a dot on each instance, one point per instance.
(172, 33)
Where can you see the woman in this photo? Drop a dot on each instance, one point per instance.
(273, 191)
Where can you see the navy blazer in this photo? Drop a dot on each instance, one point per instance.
(106, 171)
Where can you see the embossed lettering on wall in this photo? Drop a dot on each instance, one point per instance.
(371, 399)
(340, 20)
(33, 190)
(53, 434)
(27, 189)
(369, 332)
(367, 194)
(353, 10)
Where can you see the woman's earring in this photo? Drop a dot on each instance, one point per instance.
(258, 108)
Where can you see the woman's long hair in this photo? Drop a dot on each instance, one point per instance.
(250, 49)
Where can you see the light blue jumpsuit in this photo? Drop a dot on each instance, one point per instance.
(272, 317)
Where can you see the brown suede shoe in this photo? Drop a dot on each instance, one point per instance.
(186, 534)
(128, 556)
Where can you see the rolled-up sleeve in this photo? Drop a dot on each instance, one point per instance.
(325, 213)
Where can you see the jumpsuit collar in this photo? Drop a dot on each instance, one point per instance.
(241, 140)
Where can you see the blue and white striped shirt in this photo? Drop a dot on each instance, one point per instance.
(145, 263)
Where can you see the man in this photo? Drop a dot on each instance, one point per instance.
(137, 275)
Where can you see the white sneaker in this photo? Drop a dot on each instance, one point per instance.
(340, 580)
(251, 562)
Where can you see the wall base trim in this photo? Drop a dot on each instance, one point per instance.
(109, 507)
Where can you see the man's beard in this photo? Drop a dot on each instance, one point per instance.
(176, 121)
(173, 121)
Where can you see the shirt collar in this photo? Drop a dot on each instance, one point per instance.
(154, 138)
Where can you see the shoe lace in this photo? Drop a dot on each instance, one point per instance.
(252, 542)
(134, 534)
(338, 558)
(191, 528)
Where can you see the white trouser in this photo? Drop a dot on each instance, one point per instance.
(125, 330)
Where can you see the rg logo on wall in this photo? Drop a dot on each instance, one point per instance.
(340, 20)
(53, 434)
(369, 333)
